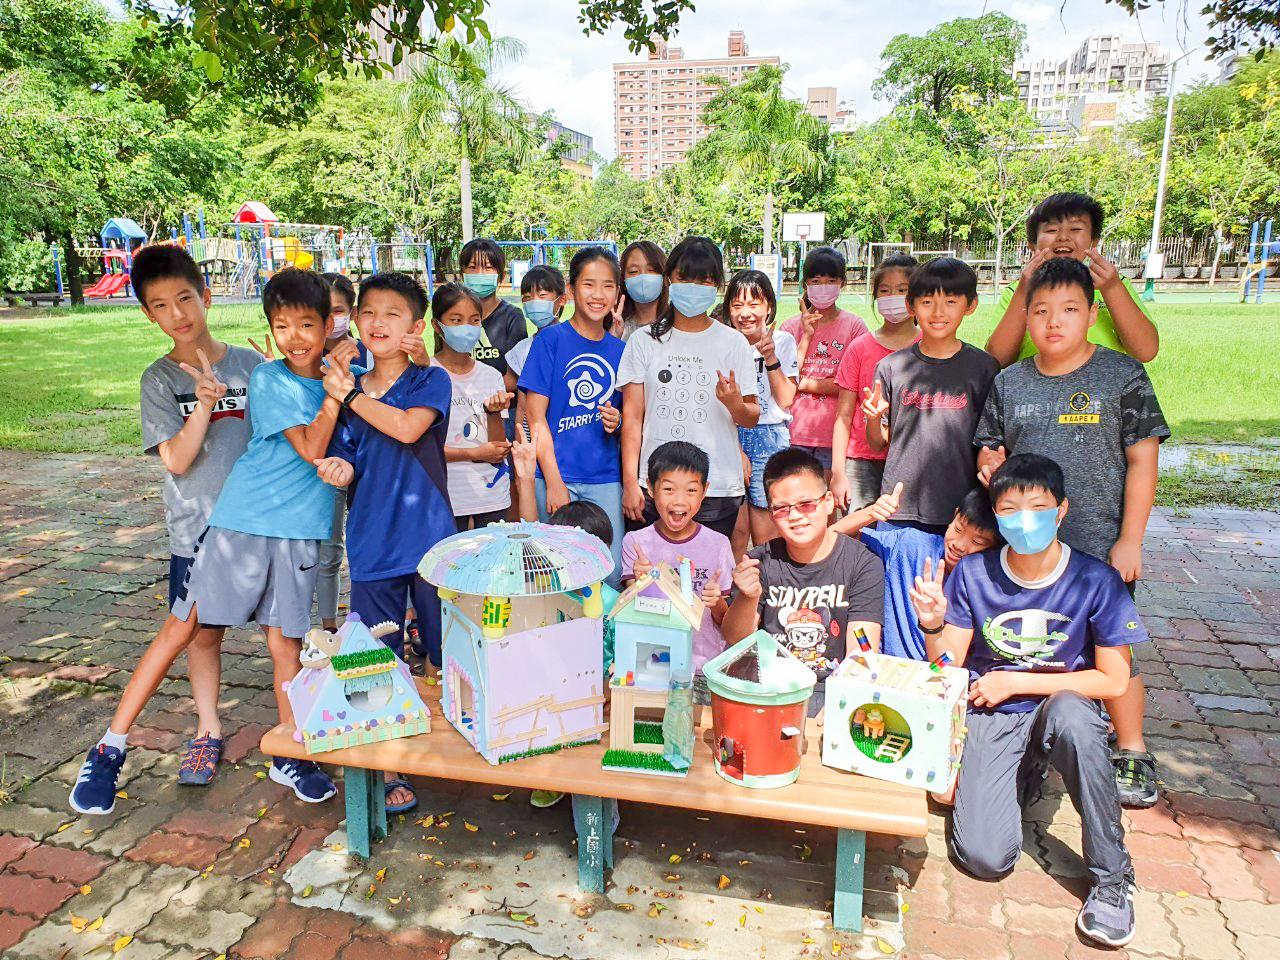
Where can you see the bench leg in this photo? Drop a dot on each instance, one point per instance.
(851, 856)
(377, 805)
(595, 844)
(355, 782)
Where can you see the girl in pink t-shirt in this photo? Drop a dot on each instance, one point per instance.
(856, 469)
(822, 332)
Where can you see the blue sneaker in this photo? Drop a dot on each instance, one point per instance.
(1107, 916)
(308, 782)
(95, 789)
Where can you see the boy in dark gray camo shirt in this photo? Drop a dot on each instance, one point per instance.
(1092, 410)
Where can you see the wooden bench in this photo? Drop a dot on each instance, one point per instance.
(35, 299)
(822, 796)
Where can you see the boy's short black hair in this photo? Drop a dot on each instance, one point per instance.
(163, 261)
(292, 287)
(1028, 471)
(585, 515)
(946, 275)
(1061, 272)
(977, 512)
(824, 262)
(793, 462)
(343, 285)
(678, 455)
(1059, 207)
(542, 279)
(491, 251)
(401, 283)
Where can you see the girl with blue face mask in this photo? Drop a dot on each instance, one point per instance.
(688, 378)
(644, 267)
(475, 446)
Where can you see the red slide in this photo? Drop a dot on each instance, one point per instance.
(108, 285)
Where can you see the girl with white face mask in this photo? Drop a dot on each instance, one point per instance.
(822, 332)
(856, 469)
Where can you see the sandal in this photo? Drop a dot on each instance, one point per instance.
(400, 807)
(201, 761)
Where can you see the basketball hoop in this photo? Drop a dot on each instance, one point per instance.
(802, 231)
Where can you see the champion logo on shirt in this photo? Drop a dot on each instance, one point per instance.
(934, 401)
(1032, 643)
(233, 404)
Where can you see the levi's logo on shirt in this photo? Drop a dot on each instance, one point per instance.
(233, 404)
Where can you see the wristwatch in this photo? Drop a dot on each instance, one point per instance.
(928, 631)
(773, 366)
(347, 400)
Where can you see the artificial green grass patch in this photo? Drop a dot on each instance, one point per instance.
(635, 760)
(650, 733)
(509, 757)
(869, 745)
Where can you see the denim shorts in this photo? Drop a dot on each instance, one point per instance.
(759, 444)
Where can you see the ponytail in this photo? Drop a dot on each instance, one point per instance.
(696, 259)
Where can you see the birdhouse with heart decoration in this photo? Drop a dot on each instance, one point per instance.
(352, 689)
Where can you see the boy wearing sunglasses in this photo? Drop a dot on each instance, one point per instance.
(811, 586)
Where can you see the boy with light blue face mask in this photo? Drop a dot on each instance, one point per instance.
(1045, 632)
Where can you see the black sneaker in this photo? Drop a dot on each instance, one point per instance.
(1107, 915)
(413, 638)
(95, 789)
(1135, 778)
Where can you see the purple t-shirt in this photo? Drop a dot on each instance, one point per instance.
(710, 556)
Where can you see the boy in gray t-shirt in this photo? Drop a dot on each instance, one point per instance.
(195, 418)
(1093, 411)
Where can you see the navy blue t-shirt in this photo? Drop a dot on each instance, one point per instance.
(577, 375)
(903, 551)
(398, 503)
(1049, 627)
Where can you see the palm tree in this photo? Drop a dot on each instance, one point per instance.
(455, 89)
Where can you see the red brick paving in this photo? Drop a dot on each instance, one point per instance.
(273, 932)
(1266, 868)
(13, 927)
(12, 847)
(59, 863)
(1227, 873)
(34, 896)
(955, 942)
(208, 823)
(177, 850)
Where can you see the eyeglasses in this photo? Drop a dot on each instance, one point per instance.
(783, 510)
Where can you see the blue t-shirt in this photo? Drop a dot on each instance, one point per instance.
(903, 551)
(577, 375)
(1049, 627)
(271, 491)
(398, 502)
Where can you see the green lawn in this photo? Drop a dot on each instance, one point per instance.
(69, 379)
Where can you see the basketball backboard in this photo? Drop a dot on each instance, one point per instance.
(804, 227)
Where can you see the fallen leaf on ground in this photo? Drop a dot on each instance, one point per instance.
(530, 855)
(79, 923)
(86, 889)
(244, 841)
(470, 826)
(499, 796)
(121, 944)
(426, 822)
(723, 882)
(626, 907)
(674, 858)
(655, 910)
(306, 891)
(96, 924)
(884, 946)
(806, 852)
(381, 875)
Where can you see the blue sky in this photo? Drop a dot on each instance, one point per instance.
(826, 42)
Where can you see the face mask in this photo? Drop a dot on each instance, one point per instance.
(893, 309)
(341, 325)
(481, 284)
(462, 337)
(645, 287)
(1029, 531)
(693, 299)
(540, 312)
(822, 295)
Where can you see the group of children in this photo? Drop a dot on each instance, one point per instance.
(987, 504)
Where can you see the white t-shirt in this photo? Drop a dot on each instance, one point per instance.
(786, 353)
(517, 355)
(472, 486)
(679, 378)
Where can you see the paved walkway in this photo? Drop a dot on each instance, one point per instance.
(238, 869)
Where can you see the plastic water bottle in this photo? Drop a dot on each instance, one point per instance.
(677, 722)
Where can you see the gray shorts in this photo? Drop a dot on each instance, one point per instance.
(238, 577)
(865, 477)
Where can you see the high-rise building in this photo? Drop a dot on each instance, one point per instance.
(1102, 65)
(825, 104)
(657, 103)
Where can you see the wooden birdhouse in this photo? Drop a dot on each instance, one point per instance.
(522, 636)
(352, 689)
(896, 719)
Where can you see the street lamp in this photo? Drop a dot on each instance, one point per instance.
(1155, 261)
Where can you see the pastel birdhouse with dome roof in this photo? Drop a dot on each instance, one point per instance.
(352, 689)
(896, 719)
(522, 634)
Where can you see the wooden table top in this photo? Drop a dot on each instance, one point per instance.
(822, 796)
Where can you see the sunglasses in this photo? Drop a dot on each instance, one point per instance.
(805, 507)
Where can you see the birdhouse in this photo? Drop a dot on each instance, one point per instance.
(352, 689)
(896, 719)
(759, 699)
(653, 624)
(522, 618)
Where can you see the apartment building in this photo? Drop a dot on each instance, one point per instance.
(1103, 66)
(657, 103)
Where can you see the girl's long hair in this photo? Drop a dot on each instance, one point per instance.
(656, 258)
(696, 259)
(590, 255)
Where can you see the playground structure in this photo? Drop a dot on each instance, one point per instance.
(120, 238)
(554, 253)
(277, 244)
(1264, 260)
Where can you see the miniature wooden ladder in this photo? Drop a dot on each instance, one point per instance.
(892, 746)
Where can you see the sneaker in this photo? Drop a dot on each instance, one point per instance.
(200, 762)
(1107, 915)
(544, 798)
(413, 639)
(95, 789)
(308, 782)
(1135, 778)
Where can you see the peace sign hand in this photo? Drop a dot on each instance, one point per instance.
(989, 461)
(338, 379)
(209, 389)
(874, 404)
(809, 317)
(266, 354)
(616, 313)
(727, 391)
(1104, 272)
(766, 347)
(927, 596)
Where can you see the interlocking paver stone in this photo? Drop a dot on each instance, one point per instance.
(58, 863)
